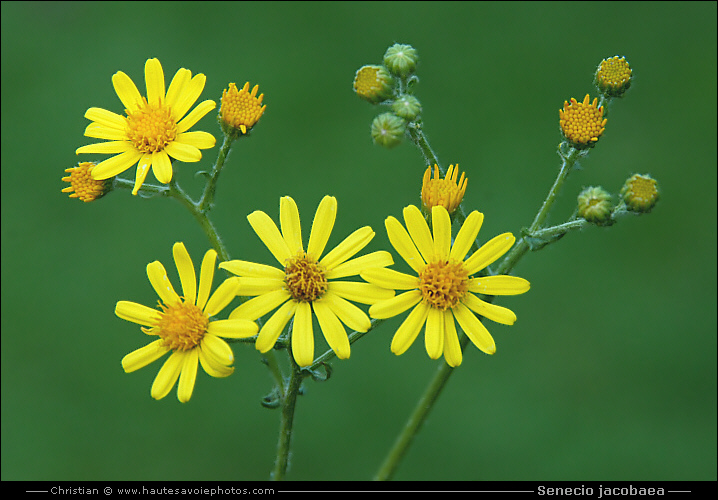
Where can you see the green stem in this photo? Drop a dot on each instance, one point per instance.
(421, 142)
(417, 418)
(209, 189)
(202, 218)
(289, 400)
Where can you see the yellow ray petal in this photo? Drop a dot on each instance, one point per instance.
(185, 268)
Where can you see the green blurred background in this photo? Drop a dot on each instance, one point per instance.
(610, 370)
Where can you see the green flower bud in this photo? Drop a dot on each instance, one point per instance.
(407, 107)
(401, 59)
(613, 76)
(640, 193)
(373, 83)
(594, 205)
(387, 129)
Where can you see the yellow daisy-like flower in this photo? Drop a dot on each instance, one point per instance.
(153, 129)
(582, 123)
(184, 327)
(444, 289)
(307, 282)
(82, 185)
(447, 192)
(241, 109)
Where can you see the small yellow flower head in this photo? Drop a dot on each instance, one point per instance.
(640, 192)
(594, 205)
(407, 107)
(387, 129)
(582, 123)
(446, 192)
(241, 109)
(401, 59)
(84, 186)
(613, 76)
(373, 83)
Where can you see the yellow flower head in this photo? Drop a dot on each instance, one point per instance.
(153, 128)
(373, 83)
(82, 185)
(307, 282)
(582, 123)
(640, 192)
(613, 76)
(184, 327)
(443, 290)
(241, 109)
(446, 192)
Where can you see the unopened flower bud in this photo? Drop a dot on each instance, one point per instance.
(594, 205)
(387, 130)
(613, 76)
(407, 107)
(640, 193)
(401, 59)
(373, 83)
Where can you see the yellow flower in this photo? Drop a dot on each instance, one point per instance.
(307, 282)
(184, 327)
(444, 289)
(582, 123)
(152, 130)
(82, 185)
(446, 192)
(240, 109)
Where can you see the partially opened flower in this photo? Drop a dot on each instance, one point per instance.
(153, 129)
(184, 326)
(308, 282)
(444, 290)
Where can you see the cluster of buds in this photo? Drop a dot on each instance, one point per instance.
(390, 84)
(639, 195)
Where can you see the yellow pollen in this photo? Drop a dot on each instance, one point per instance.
(151, 128)
(444, 284)
(182, 326)
(305, 278)
(240, 108)
(582, 123)
(446, 192)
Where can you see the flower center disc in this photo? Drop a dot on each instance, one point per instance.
(443, 284)
(305, 278)
(151, 128)
(182, 326)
